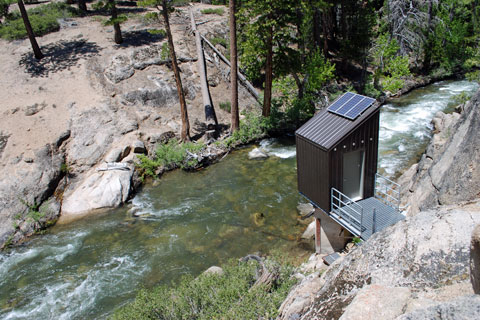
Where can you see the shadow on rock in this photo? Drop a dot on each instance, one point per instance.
(139, 38)
(59, 56)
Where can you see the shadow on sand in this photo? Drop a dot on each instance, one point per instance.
(59, 56)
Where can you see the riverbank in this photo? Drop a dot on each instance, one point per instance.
(83, 103)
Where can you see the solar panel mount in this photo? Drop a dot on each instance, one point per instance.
(351, 105)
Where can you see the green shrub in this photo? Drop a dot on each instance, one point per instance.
(461, 98)
(165, 51)
(42, 18)
(170, 155)
(220, 41)
(218, 11)
(225, 106)
(252, 127)
(213, 296)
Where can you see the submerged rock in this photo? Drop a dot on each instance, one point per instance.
(257, 153)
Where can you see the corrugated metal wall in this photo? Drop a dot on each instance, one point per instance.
(368, 133)
(313, 173)
(318, 171)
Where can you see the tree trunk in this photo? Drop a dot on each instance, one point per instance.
(428, 46)
(210, 116)
(233, 68)
(181, 97)
(31, 36)
(316, 27)
(325, 22)
(116, 26)
(82, 6)
(267, 95)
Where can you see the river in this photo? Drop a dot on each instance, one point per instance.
(189, 222)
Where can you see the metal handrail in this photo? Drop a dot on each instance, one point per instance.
(354, 214)
(388, 191)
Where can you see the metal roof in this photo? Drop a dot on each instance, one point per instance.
(327, 129)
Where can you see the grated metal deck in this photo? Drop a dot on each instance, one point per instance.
(385, 217)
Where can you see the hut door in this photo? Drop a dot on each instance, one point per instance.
(353, 170)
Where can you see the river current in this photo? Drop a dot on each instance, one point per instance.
(190, 221)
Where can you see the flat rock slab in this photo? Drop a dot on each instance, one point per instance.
(377, 302)
(102, 189)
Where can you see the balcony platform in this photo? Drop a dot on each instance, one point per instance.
(358, 217)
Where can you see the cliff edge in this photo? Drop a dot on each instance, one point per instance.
(418, 268)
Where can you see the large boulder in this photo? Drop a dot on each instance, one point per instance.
(108, 188)
(449, 170)
(27, 185)
(119, 69)
(377, 302)
(429, 250)
(467, 307)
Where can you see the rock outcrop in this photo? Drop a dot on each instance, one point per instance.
(413, 260)
(449, 170)
(26, 185)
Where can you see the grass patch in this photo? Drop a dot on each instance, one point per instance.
(225, 106)
(220, 41)
(171, 155)
(218, 11)
(42, 18)
(212, 296)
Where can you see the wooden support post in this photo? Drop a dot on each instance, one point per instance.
(318, 235)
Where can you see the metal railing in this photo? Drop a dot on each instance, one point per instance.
(347, 210)
(387, 191)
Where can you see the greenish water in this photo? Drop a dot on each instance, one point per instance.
(190, 221)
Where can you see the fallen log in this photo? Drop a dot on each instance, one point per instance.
(242, 78)
(210, 116)
(267, 276)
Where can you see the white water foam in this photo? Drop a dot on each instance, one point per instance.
(72, 296)
(274, 149)
(405, 127)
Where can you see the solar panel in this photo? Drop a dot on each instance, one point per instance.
(351, 105)
(340, 101)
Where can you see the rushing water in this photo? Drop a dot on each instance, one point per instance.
(187, 223)
(405, 123)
